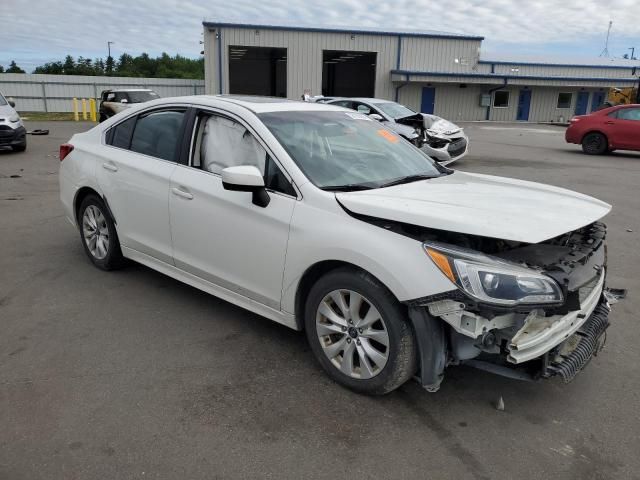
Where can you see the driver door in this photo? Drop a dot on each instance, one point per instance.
(220, 235)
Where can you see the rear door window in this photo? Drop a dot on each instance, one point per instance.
(158, 134)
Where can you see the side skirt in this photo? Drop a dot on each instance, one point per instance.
(285, 319)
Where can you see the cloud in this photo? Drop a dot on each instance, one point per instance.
(34, 31)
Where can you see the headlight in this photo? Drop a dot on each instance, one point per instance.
(492, 280)
(14, 118)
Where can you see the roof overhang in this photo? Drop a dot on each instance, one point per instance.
(500, 79)
(347, 30)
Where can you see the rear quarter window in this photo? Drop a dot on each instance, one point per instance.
(120, 135)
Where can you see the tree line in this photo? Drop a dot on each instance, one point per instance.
(164, 66)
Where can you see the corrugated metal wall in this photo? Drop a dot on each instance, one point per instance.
(460, 104)
(53, 93)
(564, 71)
(439, 54)
(304, 56)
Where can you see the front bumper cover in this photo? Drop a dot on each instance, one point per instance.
(12, 136)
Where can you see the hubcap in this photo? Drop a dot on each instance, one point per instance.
(95, 232)
(352, 334)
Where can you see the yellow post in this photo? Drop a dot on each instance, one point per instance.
(75, 109)
(92, 109)
(84, 108)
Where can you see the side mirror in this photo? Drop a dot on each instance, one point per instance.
(246, 178)
(11, 103)
(124, 100)
(375, 116)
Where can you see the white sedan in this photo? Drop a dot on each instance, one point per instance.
(325, 221)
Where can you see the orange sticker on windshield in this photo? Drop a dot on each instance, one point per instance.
(386, 134)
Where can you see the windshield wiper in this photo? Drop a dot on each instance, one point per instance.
(346, 188)
(408, 179)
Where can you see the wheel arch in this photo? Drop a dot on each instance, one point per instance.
(83, 193)
(312, 275)
(594, 130)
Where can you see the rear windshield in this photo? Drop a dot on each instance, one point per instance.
(140, 97)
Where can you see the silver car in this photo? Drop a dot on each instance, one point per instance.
(442, 140)
(12, 131)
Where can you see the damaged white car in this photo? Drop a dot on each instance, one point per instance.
(325, 221)
(442, 140)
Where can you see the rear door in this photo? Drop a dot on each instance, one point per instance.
(220, 235)
(628, 128)
(134, 173)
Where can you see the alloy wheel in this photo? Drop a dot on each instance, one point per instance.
(352, 334)
(95, 232)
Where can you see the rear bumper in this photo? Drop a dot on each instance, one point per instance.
(571, 135)
(10, 137)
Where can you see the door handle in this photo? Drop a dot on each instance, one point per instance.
(609, 122)
(181, 193)
(109, 166)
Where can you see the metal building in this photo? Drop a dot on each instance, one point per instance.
(432, 72)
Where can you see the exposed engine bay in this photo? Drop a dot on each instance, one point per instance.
(434, 131)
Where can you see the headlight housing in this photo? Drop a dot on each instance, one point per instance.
(493, 280)
(14, 118)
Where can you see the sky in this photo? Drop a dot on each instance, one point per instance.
(33, 32)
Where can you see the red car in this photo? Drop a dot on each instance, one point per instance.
(613, 128)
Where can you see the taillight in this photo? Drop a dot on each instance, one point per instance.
(65, 149)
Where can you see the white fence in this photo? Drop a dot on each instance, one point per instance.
(54, 93)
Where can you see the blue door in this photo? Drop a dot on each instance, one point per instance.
(597, 100)
(524, 102)
(582, 103)
(428, 99)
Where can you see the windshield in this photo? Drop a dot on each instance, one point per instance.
(141, 97)
(394, 110)
(2, 101)
(347, 150)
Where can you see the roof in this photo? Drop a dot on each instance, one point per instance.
(342, 29)
(558, 61)
(258, 104)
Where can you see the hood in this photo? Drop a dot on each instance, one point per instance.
(439, 125)
(482, 205)
(403, 130)
(6, 111)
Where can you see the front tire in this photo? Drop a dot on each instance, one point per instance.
(359, 332)
(594, 144)
(98, 234)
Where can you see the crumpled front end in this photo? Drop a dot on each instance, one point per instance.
(441, 139)
(533, 341)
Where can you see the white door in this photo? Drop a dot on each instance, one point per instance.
(220, 235)
(134, 174)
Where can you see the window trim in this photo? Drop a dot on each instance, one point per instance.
(493, 100)
(558, 107)
(233, 117)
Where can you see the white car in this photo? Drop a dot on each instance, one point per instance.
(12, 131)
(441, 139)
(325, 221)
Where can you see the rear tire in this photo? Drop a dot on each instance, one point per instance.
(594, 144)
(363, 339)
(98, 234)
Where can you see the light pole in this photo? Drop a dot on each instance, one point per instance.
(109, 48)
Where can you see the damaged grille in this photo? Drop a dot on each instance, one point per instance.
(579, 349)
